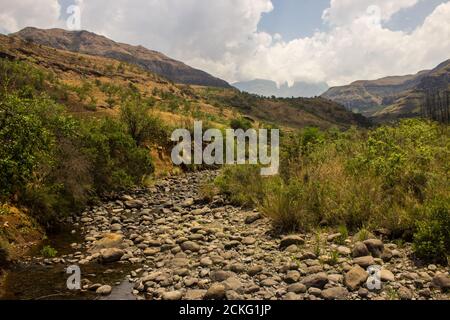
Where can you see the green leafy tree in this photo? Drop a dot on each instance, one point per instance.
(142, 126)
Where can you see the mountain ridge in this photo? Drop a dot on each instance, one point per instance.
(107, 79)
(391, 97)
(91, 43)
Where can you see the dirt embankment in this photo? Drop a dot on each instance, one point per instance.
(18, 233)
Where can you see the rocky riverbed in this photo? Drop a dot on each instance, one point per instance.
(173, 245)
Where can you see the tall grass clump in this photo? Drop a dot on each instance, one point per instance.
(384, 178)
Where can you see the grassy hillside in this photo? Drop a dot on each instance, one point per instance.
(96, 85)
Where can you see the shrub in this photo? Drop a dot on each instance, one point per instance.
(432, 237)
(142, 126)
(240, 123)
(25, 79)
(283, 203)
(48, 252)
(116, 161)
(26, 139)
(242, 183)
(55, 165)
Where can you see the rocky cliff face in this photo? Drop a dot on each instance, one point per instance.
(91, 43)
(397, 96)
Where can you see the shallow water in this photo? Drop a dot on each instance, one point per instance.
(37, 281)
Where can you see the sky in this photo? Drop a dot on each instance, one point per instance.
(333, 41)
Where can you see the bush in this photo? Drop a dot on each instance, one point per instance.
(28, 129)
(26, 80)
(283, 203)
(432, 238)
(240, 123)
(242, 183)
(55, 165)
(116, 161)
(142, 126)
(378, 179)
(48, 252)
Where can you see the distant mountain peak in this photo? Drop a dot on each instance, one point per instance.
(270, 88)
(87, 42)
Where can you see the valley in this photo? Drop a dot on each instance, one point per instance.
(85, 143)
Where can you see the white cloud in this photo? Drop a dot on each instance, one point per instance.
(16, 14)
(343, 12)
(221, 37)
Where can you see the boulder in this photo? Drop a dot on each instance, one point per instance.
(109, 240)
(111, 255)
(104, 290)
(360, 250)
(318, 280)
(215, 292)
(290, 240)
(355, 278)
(441, 281)
(364, 262)
(375, 247)
(336, 293)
